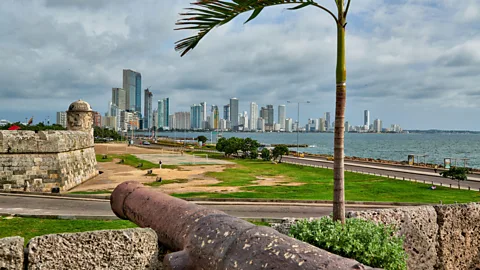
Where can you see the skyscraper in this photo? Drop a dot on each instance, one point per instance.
(288, 125)
(226, 112)
(366, 118)
(377, 125)
(253, 116)
(327, 121)
(147, 114)
(281, 116)
(215, 117)
(195, 116)
(163, 113)
(132, 84)
(234, 113)
(270, 115)
(203, 114)
(264, 114)
(119, 98)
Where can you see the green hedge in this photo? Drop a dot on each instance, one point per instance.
(372, 244)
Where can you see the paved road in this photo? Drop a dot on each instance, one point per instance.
(392, 171)
(65, 207)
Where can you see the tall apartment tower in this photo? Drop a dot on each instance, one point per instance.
(215, 117)
(119, 98)
(163, 111)
(377, 125)
(270, 115)
(148, 110)
(253, 116)
(234, 113)
(203, 114)
(226, 112)
(62, 119)
(282, 115)
(327, 121)
(132, 84)
(195, 116)
(366, 118)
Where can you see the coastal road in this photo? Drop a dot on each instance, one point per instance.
(30, 205)
(400, 172)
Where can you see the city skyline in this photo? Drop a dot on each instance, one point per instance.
(422, 79)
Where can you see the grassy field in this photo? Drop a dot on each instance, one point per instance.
(31, 227)
(130, 160)
(317, 184)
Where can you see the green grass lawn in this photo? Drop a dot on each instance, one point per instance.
(130, 160)
(31, 227)
(318, 185)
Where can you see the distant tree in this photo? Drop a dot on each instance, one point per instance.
(202, 139)
(221, 144)
(456, 173)
(265, 154)
(248, 145)
(279, 151)
(254, 154)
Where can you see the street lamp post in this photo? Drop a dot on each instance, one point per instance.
(298, 120)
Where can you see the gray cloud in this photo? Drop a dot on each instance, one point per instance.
(402, 54)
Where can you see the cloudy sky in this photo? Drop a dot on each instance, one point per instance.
(413, 62)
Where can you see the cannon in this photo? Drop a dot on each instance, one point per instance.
(203, 238)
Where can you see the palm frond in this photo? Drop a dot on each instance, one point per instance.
(208, 14)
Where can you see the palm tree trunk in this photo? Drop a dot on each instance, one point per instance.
(341, 95)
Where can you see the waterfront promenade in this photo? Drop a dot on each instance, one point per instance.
(399, 172)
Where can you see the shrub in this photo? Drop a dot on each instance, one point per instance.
(372, 244)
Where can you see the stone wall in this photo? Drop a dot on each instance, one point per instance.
(60, 158)
(110, 249)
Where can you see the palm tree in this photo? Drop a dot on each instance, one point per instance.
(207, 14)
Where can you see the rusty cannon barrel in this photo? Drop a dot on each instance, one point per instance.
(204, 238)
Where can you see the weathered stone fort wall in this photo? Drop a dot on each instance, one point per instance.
(39, 161)
(112, 249)
(60, 158)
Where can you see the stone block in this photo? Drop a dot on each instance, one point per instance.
(11, 253)
(7, 187)
(418, 225)
(112, 249)
(459, 236)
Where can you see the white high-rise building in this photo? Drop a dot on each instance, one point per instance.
(203, 115)
(253, 116)
(281, 116)
(62, 119)
(322, 126)
(377, 125)
(288, 125)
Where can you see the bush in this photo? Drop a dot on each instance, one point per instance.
(372, 244)
(265, 154)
